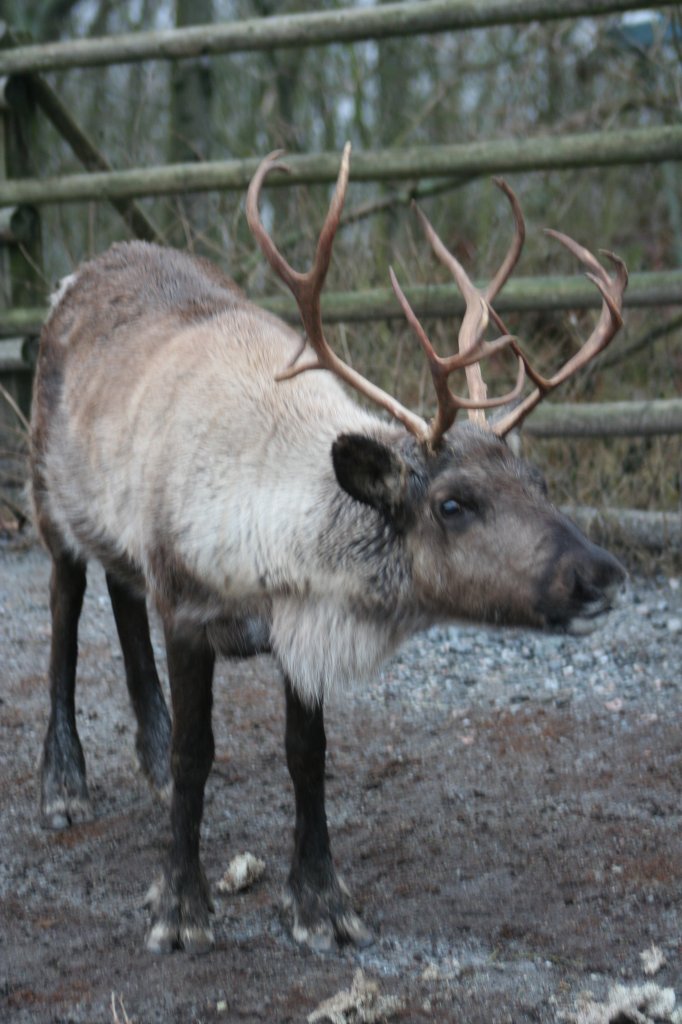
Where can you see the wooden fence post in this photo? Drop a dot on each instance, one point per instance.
(20, 129)
(21, 277)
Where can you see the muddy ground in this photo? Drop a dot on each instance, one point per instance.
(510, 849)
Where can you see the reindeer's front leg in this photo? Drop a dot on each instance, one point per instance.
(180, 901)
(319, 902)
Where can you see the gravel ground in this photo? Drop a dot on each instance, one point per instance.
(637, 654)
(504, 804)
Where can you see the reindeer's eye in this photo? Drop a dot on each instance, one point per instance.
(455, 514)
(450, 508)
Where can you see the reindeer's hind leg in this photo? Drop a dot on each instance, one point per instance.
(319, 902)
(64, 792)
(153, 720)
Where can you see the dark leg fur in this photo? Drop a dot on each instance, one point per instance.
(64, 792)
(240, 637)
(153, 721)
(179, 901)
(319, 902)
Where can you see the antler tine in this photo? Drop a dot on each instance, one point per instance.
(448, 403)
(307, 287)
(471, 346)
(474, 322)
(506, 267)
(275, 259)
(327, 234)
(516, 246)
(612, 289)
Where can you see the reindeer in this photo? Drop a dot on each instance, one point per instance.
(181, 437)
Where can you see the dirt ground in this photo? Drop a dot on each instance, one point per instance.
(508, 856)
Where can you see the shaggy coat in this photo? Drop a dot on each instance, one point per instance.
(257, 515)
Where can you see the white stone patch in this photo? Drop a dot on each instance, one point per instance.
(653, 960)
(361, 1004)
(160, 937)
(242, 872)
(634, 1004)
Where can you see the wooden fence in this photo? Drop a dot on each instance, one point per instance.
(24, 91)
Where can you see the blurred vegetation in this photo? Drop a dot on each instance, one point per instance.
(506, 82)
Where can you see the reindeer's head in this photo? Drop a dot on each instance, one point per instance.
(483, 539)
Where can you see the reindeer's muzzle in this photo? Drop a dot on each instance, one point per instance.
(583, 583)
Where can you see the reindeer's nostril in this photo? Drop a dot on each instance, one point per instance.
(594, 591)
(583, 592)
(597, 578)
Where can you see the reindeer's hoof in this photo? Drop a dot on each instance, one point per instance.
(166, 938)
(318, 919)
(179, 919)
(61, 811)
(64, 798)
(158, 780)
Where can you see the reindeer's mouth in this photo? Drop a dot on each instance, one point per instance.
(590, 614)
(589, 618)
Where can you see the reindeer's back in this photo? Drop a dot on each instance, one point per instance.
(130, 287)
(158, 422)
(110, 351)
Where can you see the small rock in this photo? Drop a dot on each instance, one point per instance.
(362, 1004)
(242, 872)
(641, 1004)
(652, 960)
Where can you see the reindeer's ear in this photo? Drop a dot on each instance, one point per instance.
(370, 472)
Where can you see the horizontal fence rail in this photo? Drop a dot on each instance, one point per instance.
(606, 419)
(303, 30)
(659, 532)
(521, 294)
(588, 149)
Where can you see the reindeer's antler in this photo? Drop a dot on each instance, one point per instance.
(472, 347)
(478, 312)
(610, 321)
(306, 289)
